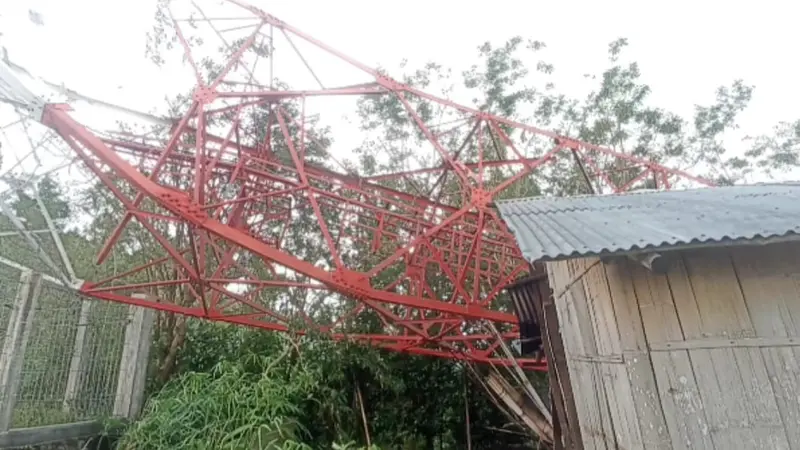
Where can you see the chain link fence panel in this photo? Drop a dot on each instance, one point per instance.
(69, 365)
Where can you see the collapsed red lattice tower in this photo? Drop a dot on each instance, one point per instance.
(422, 251)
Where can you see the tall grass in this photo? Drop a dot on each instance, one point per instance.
(226, 409)
(252, 402)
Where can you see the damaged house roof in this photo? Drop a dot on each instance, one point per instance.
(553, 228)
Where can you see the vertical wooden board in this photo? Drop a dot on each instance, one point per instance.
(783, 365)
(644, 391)
(558, 276)
(761, 409)
(783, 263)
(582, 307)
(738, 375)
(791, 261)
(687, 311)
(614, 375)
(622, 408)
(718, 296)
(769, 289)
(569, 322)
(589, 398)
(561, 383)
(723, 396)
(581, 374)
(600, 306)
(683, 407)
(586, 405)
(789, 359)
(658, 312)
(626, 307)
(650, 411)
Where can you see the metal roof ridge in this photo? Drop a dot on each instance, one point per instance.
(644, 192)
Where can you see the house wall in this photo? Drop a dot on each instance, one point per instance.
(704, 357)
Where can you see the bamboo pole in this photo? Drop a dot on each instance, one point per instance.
(363, 415)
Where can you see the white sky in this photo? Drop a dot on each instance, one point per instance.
(685, 49)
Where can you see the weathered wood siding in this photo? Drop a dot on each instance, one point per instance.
(704, 357)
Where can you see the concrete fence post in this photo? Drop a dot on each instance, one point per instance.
(76, 362)
(20, 323)
(133, 362)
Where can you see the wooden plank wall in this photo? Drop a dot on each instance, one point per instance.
(704, 357)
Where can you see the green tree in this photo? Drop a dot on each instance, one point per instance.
(616, 114)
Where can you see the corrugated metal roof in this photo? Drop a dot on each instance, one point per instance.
(564, 227)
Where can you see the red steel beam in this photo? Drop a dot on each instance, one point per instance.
(57, 117)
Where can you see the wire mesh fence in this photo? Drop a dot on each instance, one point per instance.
(61, 352)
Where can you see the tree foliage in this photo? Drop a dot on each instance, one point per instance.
(512, 81)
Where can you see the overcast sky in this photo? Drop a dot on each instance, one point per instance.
(685, 49)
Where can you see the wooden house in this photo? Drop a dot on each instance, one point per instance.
(671, 320)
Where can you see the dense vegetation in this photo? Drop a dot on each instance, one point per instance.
(236, 388)
(215, 386)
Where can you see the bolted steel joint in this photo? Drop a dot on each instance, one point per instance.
(205, 94)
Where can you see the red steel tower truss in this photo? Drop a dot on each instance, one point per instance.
(421, 255)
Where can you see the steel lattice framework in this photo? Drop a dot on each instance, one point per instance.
(421, 253)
